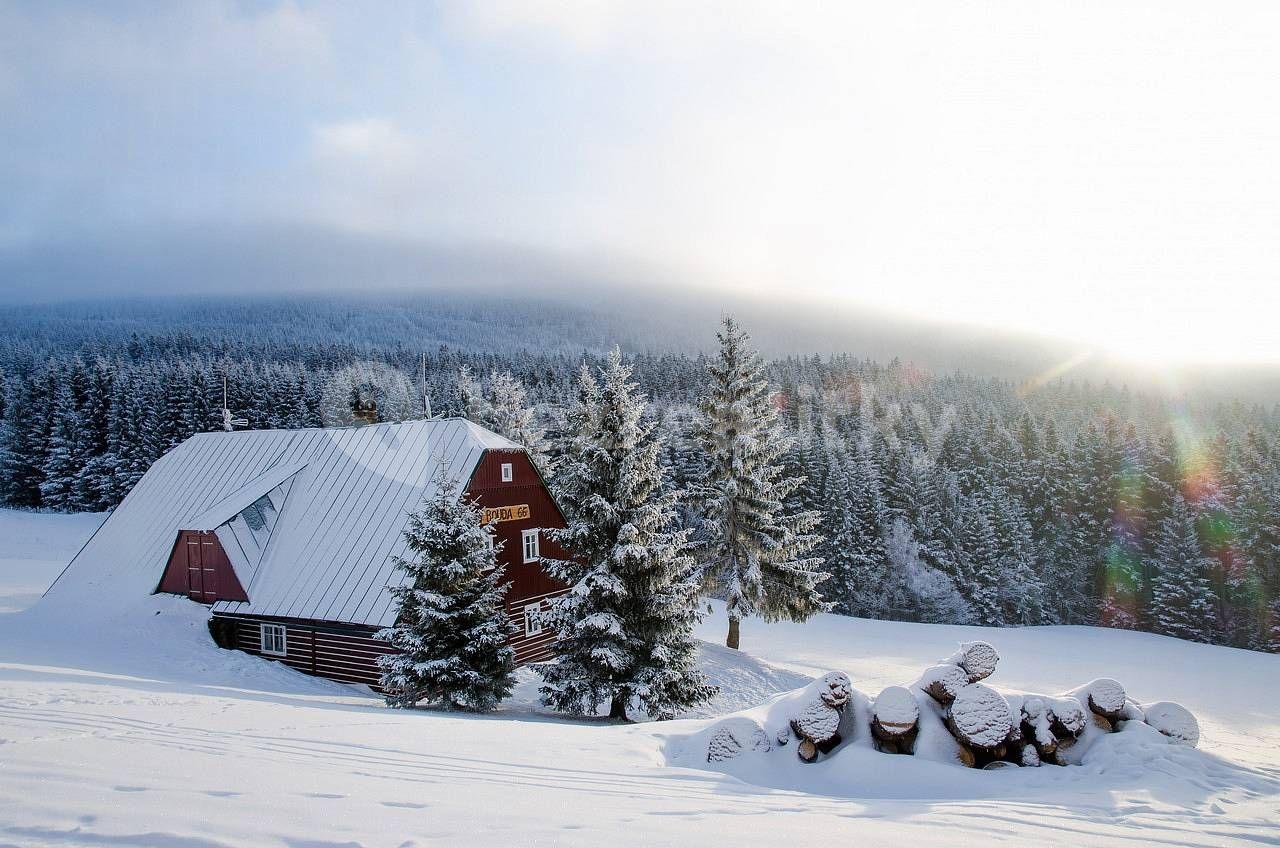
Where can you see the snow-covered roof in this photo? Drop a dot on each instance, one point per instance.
(344, 495)
(234, 503)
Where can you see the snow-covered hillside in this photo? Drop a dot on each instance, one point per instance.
(34, 547)
(143, 733)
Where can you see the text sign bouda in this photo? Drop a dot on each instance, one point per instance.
(519, 512)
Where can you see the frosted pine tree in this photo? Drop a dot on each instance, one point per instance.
(512, 416)
(626, 626)
(504, 408)
(980, 564)
(1182, 598)
(474, 405)
(452, 625)
(755, 544)
(854, 551)
(62, 461)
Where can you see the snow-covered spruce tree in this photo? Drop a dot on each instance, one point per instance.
(626, 626)
(452, 625)
(62, 460)
(1182, 599)
(504, 408)
(755, 545)
(854, 549)
(474, 405)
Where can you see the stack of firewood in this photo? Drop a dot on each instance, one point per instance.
(990, 730)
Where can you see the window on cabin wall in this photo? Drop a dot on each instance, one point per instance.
(508, 473)
(529, 543)
(274, 640)
(533, 619)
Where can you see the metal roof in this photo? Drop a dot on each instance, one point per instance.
(330, 554)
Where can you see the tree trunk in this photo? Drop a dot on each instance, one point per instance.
(618, 706)
(732, 640)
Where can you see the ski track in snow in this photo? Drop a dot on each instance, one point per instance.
(129, 728)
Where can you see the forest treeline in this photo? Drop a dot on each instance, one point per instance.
(944, 497)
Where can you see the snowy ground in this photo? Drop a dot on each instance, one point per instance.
(34, 546)
(130, 728)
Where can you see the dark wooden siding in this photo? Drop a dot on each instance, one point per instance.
(345, 654)
(530, 584)
(199, 568)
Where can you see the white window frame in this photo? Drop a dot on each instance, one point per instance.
(269, 633)
(508, 472)
(533, 618)
(526, 537)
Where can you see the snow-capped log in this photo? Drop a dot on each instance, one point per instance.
(943, 682)
(978, 659)
(1105, 697)
(1066, 717)
(1037, 722)
(818, 722)
(1029, 756)
(735, 736)
(835, 689)
(1174, 721)
(894, 719)
(980, 718)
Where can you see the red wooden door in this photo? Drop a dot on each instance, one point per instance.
(208, 568)
(195, 576)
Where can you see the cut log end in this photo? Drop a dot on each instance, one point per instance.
(978, 659)
(1106, 697)
(943, 682)
(895, 714)
(980, 717)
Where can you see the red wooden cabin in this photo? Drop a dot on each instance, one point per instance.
(290, 536)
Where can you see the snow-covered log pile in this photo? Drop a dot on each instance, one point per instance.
(947, 715)
(817, 725)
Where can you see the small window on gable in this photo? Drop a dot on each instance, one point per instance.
(529, 544)
(274, 640)
(508, 473)
(533, 619)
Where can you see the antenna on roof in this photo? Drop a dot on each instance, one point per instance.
(229, 423)
(426, 399)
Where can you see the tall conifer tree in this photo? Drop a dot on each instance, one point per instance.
(626, 625)
(452, 624)
(756, 545)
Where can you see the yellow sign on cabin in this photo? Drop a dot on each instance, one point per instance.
(519, 512)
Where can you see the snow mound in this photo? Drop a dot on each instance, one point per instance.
(1174, 721)
(734, 736)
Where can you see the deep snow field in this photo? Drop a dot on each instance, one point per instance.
(33, 549)
(125, 726)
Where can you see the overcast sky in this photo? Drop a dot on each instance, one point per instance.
(1105, 171)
